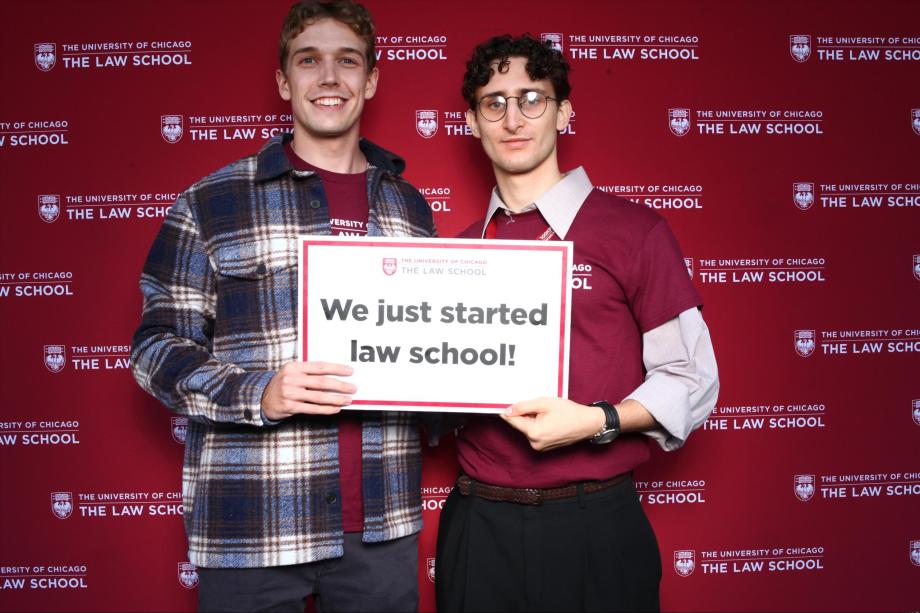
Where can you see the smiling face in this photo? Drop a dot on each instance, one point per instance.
(517, 144)
(327, 81)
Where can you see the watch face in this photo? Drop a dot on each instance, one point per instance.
(606, 437)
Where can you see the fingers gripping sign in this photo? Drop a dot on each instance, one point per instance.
(307, 387)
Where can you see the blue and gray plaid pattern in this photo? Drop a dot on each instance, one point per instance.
(219, 318)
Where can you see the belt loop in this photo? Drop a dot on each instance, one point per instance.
(580, 488)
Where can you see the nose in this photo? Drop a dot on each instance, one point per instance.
(329, 74)
(513, 118)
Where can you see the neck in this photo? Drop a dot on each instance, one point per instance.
(336, 154)
(519, 190)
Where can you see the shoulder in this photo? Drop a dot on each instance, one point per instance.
(234, 176)
(613, 213)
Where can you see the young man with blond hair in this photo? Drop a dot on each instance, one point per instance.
(545, 516)
(285, 496)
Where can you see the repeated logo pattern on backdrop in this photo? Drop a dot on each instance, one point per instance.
(779, 140)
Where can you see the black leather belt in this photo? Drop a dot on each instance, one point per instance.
(532, 495)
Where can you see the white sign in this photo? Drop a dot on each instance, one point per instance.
(437, 324)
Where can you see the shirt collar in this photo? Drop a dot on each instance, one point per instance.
(559, 204)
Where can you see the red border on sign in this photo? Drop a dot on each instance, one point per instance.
(543, 246)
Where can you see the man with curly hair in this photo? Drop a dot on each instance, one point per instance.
(284, 495)
(544, 515)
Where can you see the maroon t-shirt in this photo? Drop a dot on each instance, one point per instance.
(347, 198)
(628, 278)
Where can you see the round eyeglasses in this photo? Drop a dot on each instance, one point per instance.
(532, 104)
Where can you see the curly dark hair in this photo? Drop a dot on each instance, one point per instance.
(543, 62)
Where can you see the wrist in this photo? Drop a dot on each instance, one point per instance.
(598, 420)
(610, 429)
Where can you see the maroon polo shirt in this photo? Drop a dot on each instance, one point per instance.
(347, 198)
(629, 278)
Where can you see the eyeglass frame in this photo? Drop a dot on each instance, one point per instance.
(520, 108)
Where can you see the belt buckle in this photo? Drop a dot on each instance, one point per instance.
(537, 496)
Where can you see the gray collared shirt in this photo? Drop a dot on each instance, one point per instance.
(682, 380)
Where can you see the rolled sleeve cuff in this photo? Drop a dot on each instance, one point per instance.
(668, 402)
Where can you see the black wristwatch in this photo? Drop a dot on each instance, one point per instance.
(611, 428)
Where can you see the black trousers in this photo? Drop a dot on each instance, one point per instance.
(596, 552)
(369, 577)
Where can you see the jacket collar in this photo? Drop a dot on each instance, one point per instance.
(271, 161)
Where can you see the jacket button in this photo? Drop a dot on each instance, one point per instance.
(247, 414)
(260, 269)
(314, 204)
(330, 498)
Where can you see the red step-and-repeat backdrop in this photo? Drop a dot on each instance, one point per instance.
(781, 140)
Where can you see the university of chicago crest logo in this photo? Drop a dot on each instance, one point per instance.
(188, 575)
(804, 342)
(430, 569)
(804, 487)
(800, 47)
(61, 504)
(426, 123)
(179, 429)
(915, 552)
(45, 56)
(688, 262)
(171, 128)
(679, 121)
(389, 266)
(915, 120)
(554, 39)
(684, 562)
(49, 207)
(915, 412)
(803, 194)
(55, 358)
(917, 266)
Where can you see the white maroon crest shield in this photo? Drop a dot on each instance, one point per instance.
(554, 39)
(389, 266)
(685, 562)
(179, 429)
(61, 504)
(49, 207)
(426, 123)
(915, 552)
(915, 411)
(55, 358)
(800, 47)
(915, 120)
(917, 266)
(803, 195)
(688, 262)
(171, 128)
(45, 56)
(430, 569)
(188, 575)
(804, 487)
(804, 342)
(679, 121)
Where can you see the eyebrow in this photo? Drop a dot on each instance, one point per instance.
(520, 91)
(339, 50)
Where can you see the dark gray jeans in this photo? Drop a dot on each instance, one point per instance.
(369, 577)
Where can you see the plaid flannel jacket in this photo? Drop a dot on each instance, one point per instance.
(219, 318)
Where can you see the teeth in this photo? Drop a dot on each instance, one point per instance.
(328, 101)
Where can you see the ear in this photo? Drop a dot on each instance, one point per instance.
(563, 115)
(370, 88)
(471, 122)
(284, 88)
